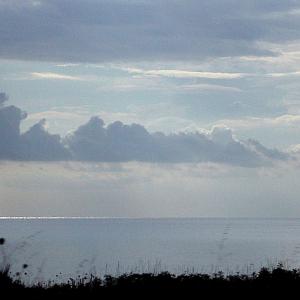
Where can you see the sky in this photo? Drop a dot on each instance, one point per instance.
(139, 108)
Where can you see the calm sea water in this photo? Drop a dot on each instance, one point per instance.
(59, 248)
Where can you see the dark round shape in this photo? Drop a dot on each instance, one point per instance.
(2, 241)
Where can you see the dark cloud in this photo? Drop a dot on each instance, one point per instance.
(101, 30)
(10, 119)
(3, 98)
(271, 153)
(38, 144)
(118, 142)
(35, 144)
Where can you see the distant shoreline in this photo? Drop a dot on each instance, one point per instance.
(145, 218)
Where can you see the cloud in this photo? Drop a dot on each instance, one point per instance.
(285, 120)
(35, 144)
(294, 148)
(54, 76)
(10, 119)
(117, 142)
(271, 153)
(286, 74)
(3, 98)
(39, 145)
(55, 115)
(209, 87)
(186, 74)
(100, 30)
(175, 73)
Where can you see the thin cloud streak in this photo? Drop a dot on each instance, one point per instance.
(185, 73)
(54, 76)
(174, 73)
(256, 122)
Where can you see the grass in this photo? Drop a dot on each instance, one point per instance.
(268, 281)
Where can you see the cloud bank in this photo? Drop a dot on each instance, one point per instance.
(101, 30)
(3, 98)
(118, 142)
(35, 144)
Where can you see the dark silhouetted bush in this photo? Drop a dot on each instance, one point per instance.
(266, 282)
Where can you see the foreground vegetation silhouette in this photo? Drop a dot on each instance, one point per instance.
(277, 280)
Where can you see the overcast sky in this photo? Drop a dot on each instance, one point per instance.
(140, 108)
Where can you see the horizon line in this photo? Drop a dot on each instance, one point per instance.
(131, 218)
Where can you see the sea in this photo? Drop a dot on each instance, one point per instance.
(43, 249)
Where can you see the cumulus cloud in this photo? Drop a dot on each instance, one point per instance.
(271, 153)
(38, 144)
(10, 119)
(100, 30)
(3, 98)
(118, 142)
(35, 144)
